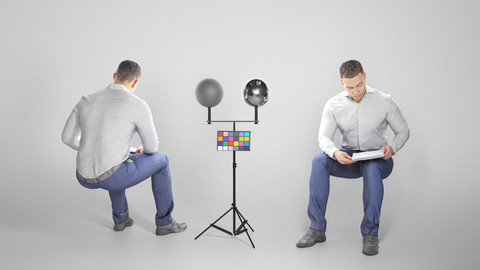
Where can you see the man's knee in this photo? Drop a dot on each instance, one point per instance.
(384, 167)
(155, 158)
(161, 157)
(320, 160)
(374, 164)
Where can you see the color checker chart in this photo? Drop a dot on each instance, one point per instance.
(233, 140)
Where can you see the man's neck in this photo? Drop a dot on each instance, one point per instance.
(129, 89)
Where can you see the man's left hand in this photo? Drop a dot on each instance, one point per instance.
(388, 151)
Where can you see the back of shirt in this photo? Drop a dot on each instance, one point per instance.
(106, 122)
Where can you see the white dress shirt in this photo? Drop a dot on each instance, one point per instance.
(102, 125)
(362, 125)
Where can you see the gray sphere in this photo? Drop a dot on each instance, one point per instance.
(256, 93)
(209, 93)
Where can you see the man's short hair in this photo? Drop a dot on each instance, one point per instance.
(350, 69)
(128, 71)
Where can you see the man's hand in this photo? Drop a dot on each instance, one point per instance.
(139, 150)
(343, 157)
(388, 151)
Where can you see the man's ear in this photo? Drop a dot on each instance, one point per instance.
(134, 84)
(114, 75)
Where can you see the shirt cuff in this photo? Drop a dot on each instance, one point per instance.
(395, 148)
(331, 151)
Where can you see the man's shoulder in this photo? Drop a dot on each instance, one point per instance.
(377, 93)
(95, 93)
(113, 92)
(380, 98)
(116, 96)
(340, 97)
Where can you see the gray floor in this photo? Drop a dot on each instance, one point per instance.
(72, 230)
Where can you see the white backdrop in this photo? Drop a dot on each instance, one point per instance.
(424, 53)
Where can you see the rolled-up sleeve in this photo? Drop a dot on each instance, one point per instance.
(71, 132)
(146, 129)
(399, 126)
(326, 132)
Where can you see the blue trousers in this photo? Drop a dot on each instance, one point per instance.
(131, 173)
(373, 172)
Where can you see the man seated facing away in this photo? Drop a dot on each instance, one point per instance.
(362, 114)
(100, 128)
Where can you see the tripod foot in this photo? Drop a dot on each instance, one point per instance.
(241, 229)
(216, 227)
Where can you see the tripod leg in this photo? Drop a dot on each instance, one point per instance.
(240, 216)
(213, 224)
(241, 228)
(221, 229)
(251, 242)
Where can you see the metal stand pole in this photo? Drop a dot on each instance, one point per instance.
(236, 213)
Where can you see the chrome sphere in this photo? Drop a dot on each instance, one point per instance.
(256, 93)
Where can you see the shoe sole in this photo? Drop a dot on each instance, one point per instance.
(370, 250)
(369, 254)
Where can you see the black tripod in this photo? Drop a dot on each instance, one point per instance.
(236, 213)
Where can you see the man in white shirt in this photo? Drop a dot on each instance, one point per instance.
(362, 115)
(100, 128)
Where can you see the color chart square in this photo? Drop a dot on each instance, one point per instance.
(233, 140)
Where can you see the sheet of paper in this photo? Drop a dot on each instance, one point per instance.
(367, 155)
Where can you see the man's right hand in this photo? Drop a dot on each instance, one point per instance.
(343, 157)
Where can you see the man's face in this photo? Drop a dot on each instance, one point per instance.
(355, 86)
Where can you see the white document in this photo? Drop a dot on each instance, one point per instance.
(367, 155)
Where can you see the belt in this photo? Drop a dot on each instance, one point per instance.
(104, 176)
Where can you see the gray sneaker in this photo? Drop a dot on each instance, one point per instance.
(121, 226)
(311, 238)
(172, 227)
(370, 244)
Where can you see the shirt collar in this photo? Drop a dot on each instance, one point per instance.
(117, 87)
(369, 90)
